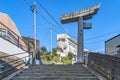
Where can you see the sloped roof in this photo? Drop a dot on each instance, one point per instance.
(7, 21)
(113, 37)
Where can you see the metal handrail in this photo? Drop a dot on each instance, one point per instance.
(12, 55)
(13, 61)
(11, 66)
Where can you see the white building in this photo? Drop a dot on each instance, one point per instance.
(66, 44)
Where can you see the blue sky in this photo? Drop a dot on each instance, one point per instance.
(107, 21)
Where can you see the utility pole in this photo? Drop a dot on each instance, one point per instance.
(35, 32)
(51, 38)
(33, 8)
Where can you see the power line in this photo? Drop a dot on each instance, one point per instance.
(50, 15)
(97, 37)
(43, 17)
(47, 21)
(96, 42)
(100, 36)
(58, 32)
(31, 1)
(28, 3)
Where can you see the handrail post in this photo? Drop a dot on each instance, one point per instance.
(18, 42)
(32, 58)
(2, 67)
(29, 59)
(113, 68)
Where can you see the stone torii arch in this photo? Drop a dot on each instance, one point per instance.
(79, 17)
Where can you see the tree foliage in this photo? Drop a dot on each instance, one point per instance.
(70, 55)
(54, 57)
(66, 60)
(43, 50)
(54, 51)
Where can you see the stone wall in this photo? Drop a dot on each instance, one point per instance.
(106, 65)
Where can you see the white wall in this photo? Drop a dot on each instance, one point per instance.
(9, 48)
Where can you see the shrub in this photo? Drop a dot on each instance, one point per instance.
(66, 60)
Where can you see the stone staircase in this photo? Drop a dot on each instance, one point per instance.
(55, 72)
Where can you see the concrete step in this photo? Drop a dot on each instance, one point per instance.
(56, 74)
(49, 72)
(76, 68)
(56, 78)
(64, 69)
(56, 66)
(53, 71)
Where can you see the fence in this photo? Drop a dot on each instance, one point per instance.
(12, 37)
(106, 65)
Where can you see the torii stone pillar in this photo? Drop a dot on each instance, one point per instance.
(80, 40)
(79, 17)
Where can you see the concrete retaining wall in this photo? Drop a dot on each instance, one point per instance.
(10, 49)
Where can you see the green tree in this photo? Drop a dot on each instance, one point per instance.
(43, 50)
(49, 57)
(70, 55)
(54, 52)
